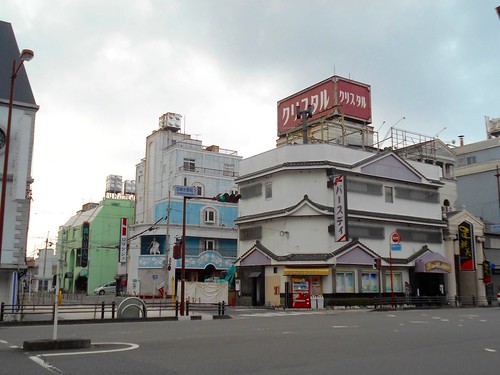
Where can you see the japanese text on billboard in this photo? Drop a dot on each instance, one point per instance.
(350, 98)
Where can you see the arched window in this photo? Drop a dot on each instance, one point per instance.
(209, 216)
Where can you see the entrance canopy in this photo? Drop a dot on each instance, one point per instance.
(307, 271)
(433, 263)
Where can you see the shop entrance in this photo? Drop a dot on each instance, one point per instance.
(429, 284)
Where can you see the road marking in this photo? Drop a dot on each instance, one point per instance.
(273, 314)
(418, 322)
(130, 347)
(344, 326)
(490, 350)
(45, 364)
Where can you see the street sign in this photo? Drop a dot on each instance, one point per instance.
(185, 191)
(395, 237)
(395, 247)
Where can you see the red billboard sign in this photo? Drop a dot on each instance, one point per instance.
(335, 95)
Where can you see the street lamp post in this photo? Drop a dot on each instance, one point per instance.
(26, 55)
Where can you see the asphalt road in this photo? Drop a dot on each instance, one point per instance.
(448, 341)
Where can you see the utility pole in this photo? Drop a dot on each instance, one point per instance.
(183, 249)
(498, 187)
(45, 288)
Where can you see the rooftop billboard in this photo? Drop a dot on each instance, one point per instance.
(335, 95)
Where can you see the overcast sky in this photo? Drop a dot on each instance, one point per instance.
(104, 71)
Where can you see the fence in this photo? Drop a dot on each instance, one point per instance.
(434, 301)
(103, 310)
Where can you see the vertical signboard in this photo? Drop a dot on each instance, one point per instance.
(486, 272)
(466, 245)
(340, 208)
(85, 244)
(123, 240)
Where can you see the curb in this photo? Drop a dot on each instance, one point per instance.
(122, 320)
(58, 344)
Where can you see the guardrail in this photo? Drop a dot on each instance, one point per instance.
(103, 310)
(433, 301)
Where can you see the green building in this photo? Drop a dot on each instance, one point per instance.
(88, 244)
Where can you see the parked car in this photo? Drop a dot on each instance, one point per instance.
(107, 288)
(498, 297)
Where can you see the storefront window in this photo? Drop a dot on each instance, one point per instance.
(397, 281)
(345, 282)
(369, 282)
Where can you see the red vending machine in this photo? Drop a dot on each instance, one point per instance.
(301, 292)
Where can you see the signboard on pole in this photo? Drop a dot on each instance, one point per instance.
(123, 240)
(186, 191)
(395, 241)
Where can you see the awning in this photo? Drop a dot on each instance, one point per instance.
(307, 271)
(433, 263)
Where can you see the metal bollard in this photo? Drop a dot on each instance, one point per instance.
(113, 308)
(187, 308)
(2, 310)
(102, 309)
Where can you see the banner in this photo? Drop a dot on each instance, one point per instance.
(340, 208)
(84, 260)
(123, 240)
(466, 245)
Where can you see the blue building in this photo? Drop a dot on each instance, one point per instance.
(174, 159)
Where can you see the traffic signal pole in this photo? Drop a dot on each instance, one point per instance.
(183, 250)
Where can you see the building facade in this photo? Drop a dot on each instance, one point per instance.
(45, 269)
(174, 160)
(478, 179)
(89, 244)
(300, 236)
(18, 179)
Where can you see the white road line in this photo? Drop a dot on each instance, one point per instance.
(490, 350)
(45, 364)
(130, 347)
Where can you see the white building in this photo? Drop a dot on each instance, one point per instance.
(289, 237)
(18, 178)
(174, 159)
(45, 268)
